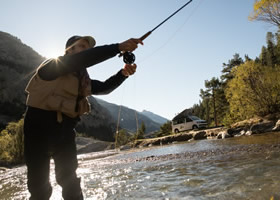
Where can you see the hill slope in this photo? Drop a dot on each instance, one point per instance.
(17, 64)
(154, 117)
(128, 119)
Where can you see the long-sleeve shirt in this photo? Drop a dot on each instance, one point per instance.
(53, 68)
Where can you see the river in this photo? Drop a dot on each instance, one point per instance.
(246, 167)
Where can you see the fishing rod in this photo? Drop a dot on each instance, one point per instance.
(129, 57)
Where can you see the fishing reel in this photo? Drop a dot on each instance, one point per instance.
(128, 57)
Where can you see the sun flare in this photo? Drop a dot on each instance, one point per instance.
(53, 53)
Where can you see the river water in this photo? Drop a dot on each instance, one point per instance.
(246, 167)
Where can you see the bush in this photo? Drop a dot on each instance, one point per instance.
(11, 143)
(254, 91)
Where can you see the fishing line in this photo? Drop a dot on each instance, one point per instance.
(129, 57)
(174, 34)
(119, 117)
(119, 114)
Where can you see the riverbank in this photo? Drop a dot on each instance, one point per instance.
(244, 128)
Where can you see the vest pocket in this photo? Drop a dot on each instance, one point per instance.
(67, 106)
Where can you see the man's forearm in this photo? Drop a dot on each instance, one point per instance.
(100, 88)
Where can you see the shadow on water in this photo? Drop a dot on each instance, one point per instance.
(235, 168)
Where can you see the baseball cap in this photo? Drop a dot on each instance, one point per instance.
(75, 38)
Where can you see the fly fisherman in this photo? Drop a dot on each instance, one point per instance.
(56, 99)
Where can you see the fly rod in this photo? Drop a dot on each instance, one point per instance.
(129, 57)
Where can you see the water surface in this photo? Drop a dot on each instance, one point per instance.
(244, 168)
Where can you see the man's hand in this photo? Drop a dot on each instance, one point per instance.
(129, 69)
(129, 45)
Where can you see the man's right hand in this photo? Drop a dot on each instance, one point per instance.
(129, 45)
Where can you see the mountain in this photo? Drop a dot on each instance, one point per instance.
(154, 117)
(128, 117)
(99, 123)
(17, 64)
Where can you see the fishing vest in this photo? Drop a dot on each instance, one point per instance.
(66, 94)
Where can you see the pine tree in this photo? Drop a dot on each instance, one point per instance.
(227, 68)
(212, 87)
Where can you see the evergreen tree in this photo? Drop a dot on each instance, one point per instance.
(205, 96)
(212, 87)
(141, 131)
(271, 48)
(165, 129)
(263, 56)
(227, 68)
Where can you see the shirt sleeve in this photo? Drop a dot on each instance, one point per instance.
(53, 68)
(100, 88)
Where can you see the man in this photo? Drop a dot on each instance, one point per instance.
(56, 98)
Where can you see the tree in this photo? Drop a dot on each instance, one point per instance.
(121, 138)
(263, 56)
(141, 131)
(212, 87)
(227, 68)
(271, 49)
(267, 11)
(165, 129)
(254, 90)
(205, 96)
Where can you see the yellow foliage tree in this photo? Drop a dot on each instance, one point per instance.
(254, 90)
(11, 143)
(267, 11)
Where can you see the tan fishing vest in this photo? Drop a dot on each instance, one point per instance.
(59, 95)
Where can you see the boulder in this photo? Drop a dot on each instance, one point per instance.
(235, 131)
(262, 127)
(277, 126)
(87, 145)
(181, 137)
(200, 135)
(223, 135)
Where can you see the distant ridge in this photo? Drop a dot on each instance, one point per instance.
(128, 119)
(154, 117)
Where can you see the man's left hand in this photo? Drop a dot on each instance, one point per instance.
(129, 69)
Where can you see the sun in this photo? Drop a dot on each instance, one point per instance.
(53, 52)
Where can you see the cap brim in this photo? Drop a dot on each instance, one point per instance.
(90, 40)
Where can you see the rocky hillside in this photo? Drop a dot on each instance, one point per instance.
(17, 64)
(154, 117)
(128, 119)
(99, 123)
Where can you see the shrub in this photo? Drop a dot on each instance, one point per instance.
(11, 143)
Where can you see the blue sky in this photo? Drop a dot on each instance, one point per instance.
(175, 60)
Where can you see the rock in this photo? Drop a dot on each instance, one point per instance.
(248, 133)
(200, 135)
(3, 169)
(277, 126)
(243, 132)
(235, 131)
(181, 137)
(223, 135)
(87, 145)
(125, 147)
(262, 127)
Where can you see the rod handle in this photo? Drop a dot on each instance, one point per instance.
(145, 35)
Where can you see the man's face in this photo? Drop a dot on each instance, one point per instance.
(79, 46)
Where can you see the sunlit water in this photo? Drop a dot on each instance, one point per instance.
(157, 173)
